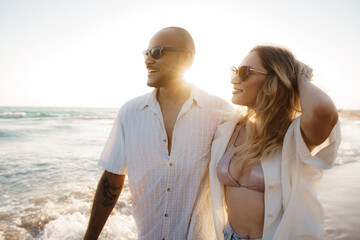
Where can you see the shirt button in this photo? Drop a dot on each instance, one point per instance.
(164, 140)
(166, 215)
(168, 189)
(271, 187)
(170, 164)
(270, 216)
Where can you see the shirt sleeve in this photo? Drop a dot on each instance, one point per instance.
(324, 155)
(301, 172)
(113, 158)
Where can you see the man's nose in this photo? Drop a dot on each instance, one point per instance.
(149, 59)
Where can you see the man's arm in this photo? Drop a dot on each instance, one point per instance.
(106, 196)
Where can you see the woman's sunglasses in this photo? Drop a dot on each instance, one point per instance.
(156, 52)
(243, 71)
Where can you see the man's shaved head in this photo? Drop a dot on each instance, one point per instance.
(179, 38)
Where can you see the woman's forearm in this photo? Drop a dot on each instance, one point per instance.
(319, 114)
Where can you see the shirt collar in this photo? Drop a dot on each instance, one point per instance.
(149, 100)
(196, 97)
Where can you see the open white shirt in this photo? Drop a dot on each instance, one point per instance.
(170, 192)
(292, 210)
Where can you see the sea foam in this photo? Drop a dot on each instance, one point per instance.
(19, 115)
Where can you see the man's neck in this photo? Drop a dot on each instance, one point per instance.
(174, 94)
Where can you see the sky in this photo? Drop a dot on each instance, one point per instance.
(84, 53)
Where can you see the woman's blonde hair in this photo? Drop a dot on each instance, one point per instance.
(277, 105)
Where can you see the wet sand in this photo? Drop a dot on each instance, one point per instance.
(339, 192)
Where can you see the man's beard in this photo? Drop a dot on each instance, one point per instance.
(163, 82)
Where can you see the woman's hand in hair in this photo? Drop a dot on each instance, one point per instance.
(304, 71)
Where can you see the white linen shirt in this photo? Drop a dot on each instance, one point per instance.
(292, 210)
(171, 196)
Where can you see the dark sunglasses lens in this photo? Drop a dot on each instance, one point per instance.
(156, 53)
(244, 72)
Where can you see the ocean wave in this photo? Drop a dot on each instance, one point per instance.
(78, 116)
(347, 153)
(92, 116)
(5, 133)
(23, 115)
(64, 214)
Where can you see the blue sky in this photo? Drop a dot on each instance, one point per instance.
(88, 53)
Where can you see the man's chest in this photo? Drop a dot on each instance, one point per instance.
(148, 138)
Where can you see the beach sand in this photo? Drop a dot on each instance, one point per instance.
(339, 192)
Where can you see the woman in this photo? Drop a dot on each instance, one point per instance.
(264, 168)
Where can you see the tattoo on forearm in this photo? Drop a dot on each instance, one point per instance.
(110, 193)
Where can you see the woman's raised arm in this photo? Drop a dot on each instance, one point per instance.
(319, 114)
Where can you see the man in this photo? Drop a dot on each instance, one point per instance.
(162, 142)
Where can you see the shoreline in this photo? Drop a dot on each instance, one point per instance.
(349, 114)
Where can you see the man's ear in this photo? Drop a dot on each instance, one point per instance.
(188, 59)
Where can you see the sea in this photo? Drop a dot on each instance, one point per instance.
(49, 173)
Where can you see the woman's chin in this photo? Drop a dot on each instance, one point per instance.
(235, 100)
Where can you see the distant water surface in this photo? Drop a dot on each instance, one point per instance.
(48, 175)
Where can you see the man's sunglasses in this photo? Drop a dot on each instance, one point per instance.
(156, 52)
(243, 71)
